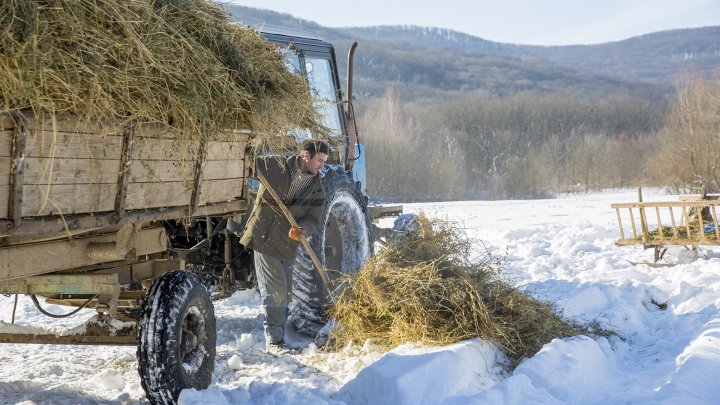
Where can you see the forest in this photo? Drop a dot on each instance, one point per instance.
(531, 146)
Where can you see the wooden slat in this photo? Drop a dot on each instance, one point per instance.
(74, 125)
(643, 218)
(688, 204)
(686, 220)
(68, 199)
(4, 199)
(147, 148)
(701, 224)
(632, 222)
(6, 122)
(670, 242)
(71, 145)
(6, 137)
(620, 225)
(698, 197)
(224, 169)
(226, 150)
(153, 171)
(221, 190)
(27, 338)
(674, 226)
(158, 195)
(660, 225)
(5, 170)
(53, 225)
(69, 171)
(6, 140)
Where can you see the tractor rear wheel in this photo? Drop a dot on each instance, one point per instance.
(342, 243)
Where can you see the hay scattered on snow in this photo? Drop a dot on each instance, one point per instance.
(428, 288)
(172, 62)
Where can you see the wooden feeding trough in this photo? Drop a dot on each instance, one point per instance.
(690, 221)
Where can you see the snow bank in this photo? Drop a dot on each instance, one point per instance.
(574, 370)
(415, 375)
(695, 378)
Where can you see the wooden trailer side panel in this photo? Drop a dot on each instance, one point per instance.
(224, 172)
(73, 167)
(69, 167)
(161, 170)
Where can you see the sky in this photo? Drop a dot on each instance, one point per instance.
(530, 22)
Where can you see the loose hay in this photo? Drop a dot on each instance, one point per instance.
(429, 288)
(690, 222)
(179, 63)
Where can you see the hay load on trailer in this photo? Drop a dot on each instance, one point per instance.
(176, 63)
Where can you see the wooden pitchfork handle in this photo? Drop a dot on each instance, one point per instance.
(303, 239)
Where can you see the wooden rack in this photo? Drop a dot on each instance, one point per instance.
(692, 221)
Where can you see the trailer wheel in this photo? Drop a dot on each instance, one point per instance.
(342, 243)
(176, 337)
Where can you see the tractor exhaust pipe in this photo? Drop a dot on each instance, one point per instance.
(350, 113)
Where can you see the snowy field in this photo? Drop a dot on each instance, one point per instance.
(561, 250)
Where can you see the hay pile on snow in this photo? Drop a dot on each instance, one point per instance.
(179, 63)
(431, 288)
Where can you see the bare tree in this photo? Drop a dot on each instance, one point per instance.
(690, 154)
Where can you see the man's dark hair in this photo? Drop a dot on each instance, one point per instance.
(315, 146)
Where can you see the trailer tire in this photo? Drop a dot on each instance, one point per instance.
(176, 337)
(342, 242)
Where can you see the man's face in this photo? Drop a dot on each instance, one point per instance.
(315, 164)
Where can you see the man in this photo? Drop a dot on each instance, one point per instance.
(275, 243)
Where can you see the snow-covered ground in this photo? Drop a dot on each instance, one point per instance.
(561, 250)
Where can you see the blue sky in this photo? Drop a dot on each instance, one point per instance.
(549, 22)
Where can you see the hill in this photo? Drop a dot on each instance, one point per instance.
(655, 57)
(426, 62)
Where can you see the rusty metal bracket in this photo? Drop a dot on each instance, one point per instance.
(17, 172)
(124, 174)
(197, 184)
(123, 247)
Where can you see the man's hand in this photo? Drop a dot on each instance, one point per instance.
(296, 233)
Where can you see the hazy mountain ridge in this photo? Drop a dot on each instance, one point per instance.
(655, 56)
(398, 56)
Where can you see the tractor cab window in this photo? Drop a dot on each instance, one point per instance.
(292, 61)
(319, 74)
(321, 80)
